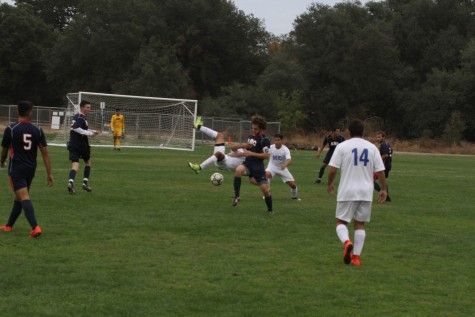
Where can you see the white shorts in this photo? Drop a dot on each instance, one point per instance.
(358, 210)
(284, 175)
(229, 163)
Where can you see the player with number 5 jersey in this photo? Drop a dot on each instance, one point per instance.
(22, 140)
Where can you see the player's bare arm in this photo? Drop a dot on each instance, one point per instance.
(331, 178)
(47, 162)
(3, 159)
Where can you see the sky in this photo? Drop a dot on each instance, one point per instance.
(278, 15)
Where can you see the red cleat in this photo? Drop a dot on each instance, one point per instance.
(348, 252)
(5, 228)
(355, 260)
(35, 233)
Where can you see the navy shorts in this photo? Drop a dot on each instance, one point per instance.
(256, 170)
(77, 153)
(19, 182)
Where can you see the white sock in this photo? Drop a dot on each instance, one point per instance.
(342, 232)
(209, 161)
(294, 191)
(209, 132)
(360, 235)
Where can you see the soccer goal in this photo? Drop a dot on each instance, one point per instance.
(149, 122)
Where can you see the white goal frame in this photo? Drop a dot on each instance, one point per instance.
(150, 122)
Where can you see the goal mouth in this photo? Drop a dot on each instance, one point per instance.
(150, 122)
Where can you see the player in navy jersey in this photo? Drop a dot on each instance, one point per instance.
(333, 139)
(256, 151)
(78, 146)
(22, 139)
(387, 155)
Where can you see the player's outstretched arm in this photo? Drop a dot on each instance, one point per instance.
(3, 157)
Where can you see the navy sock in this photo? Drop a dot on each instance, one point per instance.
(87, 172)
(322, 170)
(16, 211)
(237, 186)
(72, 174)
(29, 213)
(269, 203)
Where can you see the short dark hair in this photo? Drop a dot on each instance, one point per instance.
(117, 109)
(356, 128)
(24, 107)
(278, 135)
(381, 132)
(83, 103)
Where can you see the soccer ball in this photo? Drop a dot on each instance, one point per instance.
(217, 179)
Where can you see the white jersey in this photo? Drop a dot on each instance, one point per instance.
(277, 157)
(357, 160)
(229, 163)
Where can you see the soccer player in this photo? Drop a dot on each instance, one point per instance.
(117, 128)
(256, 151)
(333, 139)
(78, 146)
(387, 155)
(22, 140)
(279, 160)
(357, 160)
(222, 161)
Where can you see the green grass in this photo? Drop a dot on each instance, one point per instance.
(154, 239)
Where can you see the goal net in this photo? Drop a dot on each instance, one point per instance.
(149, 122)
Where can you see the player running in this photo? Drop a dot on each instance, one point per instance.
(333, 139)
(279, 160)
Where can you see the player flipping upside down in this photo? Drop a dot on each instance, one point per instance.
(222, 161)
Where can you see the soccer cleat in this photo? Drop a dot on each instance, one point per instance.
(198, 123)
(236, 201)
(5, 228)
(355, 260)
(118, 149)
(270, 212)
(71, 188)
(86, 187)
(318, 181)
(195, 167)
(294, 197)
(348, 252)
(35, 232)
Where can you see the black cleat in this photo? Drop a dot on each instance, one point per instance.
(87, 188)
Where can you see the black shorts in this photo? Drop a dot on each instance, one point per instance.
(256, 170)
(76, 153)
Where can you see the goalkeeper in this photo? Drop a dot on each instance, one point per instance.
(117, 128)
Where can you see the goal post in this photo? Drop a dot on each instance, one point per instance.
(150, 122)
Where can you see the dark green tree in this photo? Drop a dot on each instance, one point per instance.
(25, 42)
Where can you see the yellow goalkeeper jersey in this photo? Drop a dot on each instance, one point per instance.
(117, 122)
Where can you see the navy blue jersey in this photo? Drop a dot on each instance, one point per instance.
(23, 139)
(385, 148)
(77, 140)
(332, 142)
(260, 144)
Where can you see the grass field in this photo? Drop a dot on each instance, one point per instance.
(155, 239)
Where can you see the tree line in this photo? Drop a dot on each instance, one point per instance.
(409, 63)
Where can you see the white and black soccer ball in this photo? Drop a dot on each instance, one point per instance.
(217, 179)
